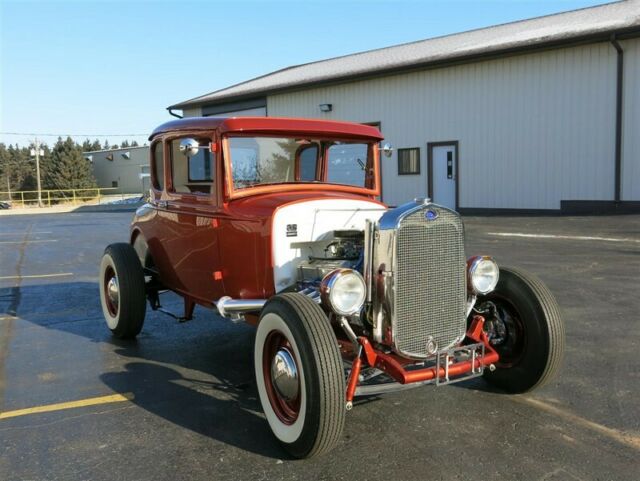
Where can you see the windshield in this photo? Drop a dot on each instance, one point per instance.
(275, 160)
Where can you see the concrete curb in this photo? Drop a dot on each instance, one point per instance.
(71, 209)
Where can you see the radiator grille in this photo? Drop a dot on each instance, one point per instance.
(430, 282)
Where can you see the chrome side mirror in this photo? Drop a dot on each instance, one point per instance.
(387, 149)
(189, 147)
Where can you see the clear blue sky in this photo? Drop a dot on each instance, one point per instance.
(111, 67)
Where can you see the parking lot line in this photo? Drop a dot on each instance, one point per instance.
(569, 237)
(619, 436)
(113, 398)
(22, 233)
(28, 241)
(37, 276)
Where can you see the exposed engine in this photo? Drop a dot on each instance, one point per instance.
(343, 249)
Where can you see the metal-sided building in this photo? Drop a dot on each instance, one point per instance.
(121, 168)
(540, 115)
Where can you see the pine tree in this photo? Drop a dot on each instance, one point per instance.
(134, 144)
(106, 145)
(68, 167)
(124, 144)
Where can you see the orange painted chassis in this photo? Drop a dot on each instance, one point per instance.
(394, 365)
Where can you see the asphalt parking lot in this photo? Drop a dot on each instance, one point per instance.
(181, 402)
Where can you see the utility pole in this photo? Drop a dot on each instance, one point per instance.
(37, 152)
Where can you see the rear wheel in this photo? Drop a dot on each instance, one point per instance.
(524, 326)
(299, 375)
(122, 290)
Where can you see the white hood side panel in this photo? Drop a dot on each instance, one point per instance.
(314, 220)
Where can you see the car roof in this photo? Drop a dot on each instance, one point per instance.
(271, 125)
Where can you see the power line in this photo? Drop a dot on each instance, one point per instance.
(32, 134)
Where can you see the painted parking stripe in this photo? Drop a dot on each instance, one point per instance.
(94, 401)
(568, 237)
(28, 241)
(630, 440)
(23, 233)
(37, 276)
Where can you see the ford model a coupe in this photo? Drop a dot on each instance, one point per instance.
(275, 222)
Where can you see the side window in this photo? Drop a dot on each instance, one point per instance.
(193, 174)
(347, 163)
(307, 163)
(158, 166)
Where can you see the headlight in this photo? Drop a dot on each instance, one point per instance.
(483, 274)
(343, 291)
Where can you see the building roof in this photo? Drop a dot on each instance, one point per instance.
(594, 23)
(270, 125)
(116, 150)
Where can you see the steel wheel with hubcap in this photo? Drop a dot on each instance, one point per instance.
(122, 290)
(524, 326)
(299, 375)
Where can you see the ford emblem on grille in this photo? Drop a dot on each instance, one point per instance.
(430, 214)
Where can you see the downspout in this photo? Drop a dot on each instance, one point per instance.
(171, 113)
(619, 86)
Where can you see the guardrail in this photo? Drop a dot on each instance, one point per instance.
(63, 196)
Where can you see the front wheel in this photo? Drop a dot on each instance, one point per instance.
(524, 326)
(299, 375)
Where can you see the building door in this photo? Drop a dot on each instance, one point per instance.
(443, 173)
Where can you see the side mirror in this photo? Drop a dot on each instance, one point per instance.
(387, 149)
(189, 147)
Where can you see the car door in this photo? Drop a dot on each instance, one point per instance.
(190, 238)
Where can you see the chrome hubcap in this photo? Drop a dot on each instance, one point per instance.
(284, 375)
(113, 291)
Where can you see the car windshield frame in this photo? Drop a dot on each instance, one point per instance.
(372, 166)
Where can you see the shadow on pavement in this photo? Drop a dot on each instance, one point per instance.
(197, 375)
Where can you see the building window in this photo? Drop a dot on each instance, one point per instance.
(409, 161)
(158, 166)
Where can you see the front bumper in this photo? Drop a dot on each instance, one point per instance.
(453, 365)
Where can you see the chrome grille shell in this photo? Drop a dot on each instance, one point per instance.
(419, 284)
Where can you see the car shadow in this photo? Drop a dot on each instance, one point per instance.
(197, 375)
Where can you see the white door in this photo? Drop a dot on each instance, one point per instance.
(444, 171)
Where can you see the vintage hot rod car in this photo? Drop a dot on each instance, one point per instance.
(275, 222)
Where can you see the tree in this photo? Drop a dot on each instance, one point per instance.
(106, 145)
(124, 144)
(134, 144)
(88, 146)
(68, 169)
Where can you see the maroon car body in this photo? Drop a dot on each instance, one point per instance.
(277, 222)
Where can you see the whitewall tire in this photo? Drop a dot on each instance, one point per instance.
(299, 375)
(122, 290)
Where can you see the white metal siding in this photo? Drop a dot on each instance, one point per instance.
(533, 129)
(126, 172)
(194, 112)
(631, 121)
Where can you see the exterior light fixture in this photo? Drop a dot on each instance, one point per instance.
(326, 107)
(126, 155)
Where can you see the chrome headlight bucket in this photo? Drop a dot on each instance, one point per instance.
(482, 275)
(343, 291)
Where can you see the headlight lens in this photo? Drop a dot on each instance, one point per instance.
(483, 275)
(343, 291)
